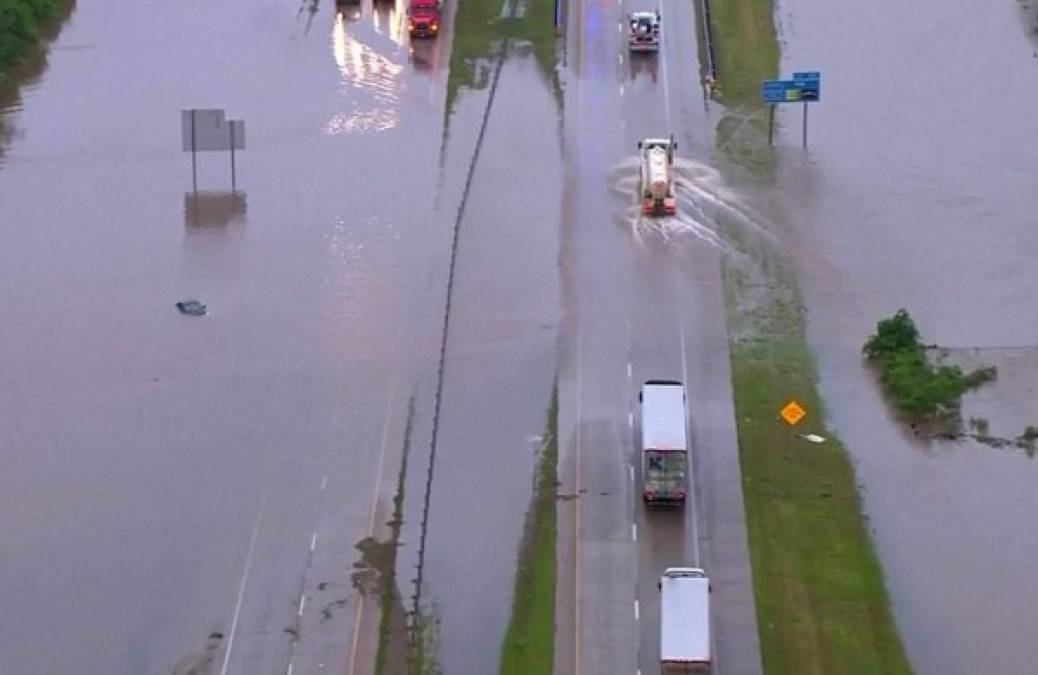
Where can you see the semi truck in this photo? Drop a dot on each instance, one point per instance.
(684, 622)
(665, 448)
(656, 184)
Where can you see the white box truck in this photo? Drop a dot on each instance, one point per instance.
(664, 443)
(684, 622)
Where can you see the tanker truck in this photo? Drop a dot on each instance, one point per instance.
(656, 189)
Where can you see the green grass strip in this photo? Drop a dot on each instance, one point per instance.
(746, 48)
(529, 644)
(821, 603)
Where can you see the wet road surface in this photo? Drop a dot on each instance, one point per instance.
(179, 490)
(925, 200)
(643, 299)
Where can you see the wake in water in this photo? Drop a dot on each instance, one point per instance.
(705, 206)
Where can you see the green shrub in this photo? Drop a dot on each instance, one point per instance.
(19, 27)
(918, 389)
(893, 335)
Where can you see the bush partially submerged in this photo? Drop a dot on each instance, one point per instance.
(918, 389)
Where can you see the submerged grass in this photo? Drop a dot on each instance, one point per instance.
(481, 28)
(529, 644)
(391, 654)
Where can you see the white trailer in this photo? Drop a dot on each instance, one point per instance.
(664, 443)
(684, 622)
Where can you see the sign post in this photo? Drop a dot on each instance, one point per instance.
(805, 87)
(210, 130)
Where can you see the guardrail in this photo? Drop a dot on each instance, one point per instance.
(708, 34)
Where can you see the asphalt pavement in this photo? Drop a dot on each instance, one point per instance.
(642, 299)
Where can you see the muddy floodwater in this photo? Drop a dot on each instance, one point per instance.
(181, 490)
(918, 192)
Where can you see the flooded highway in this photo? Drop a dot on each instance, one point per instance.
(182, 492)
(643, 299)
(215, 494)
(917, 192)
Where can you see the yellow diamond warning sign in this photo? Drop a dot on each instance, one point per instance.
(792, 412)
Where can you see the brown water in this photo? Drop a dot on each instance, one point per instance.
(918, 192)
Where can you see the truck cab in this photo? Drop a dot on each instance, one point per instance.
(643, 31)
(655, 173)
(423, 18)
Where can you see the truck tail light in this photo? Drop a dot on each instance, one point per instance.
(649, 495)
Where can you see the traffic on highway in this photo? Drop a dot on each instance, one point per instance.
(518, 337)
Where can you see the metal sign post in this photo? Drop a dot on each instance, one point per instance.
(805, 87)
(231, 127)
(805, 124)
(194, 168)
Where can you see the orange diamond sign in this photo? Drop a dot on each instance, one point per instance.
(792, 412)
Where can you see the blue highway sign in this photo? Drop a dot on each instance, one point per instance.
(804, 87)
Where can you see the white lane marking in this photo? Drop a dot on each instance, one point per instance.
(692, 477)
(637, 615)
(302, 604)
(289, 671)
(324, 483)
(634, 531)
(630, 472)
(630, 420)
(630, 371)
(241, 586)
(620, 58)
(666, 84)
(313, 541)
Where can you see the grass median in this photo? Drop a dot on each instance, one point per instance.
(529, 644)
(822, 607)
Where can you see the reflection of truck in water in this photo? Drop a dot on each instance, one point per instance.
(656, 190)
(664, 443)
(423, 18)
(684, 622)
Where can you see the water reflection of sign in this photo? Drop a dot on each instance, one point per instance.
(213, 209)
